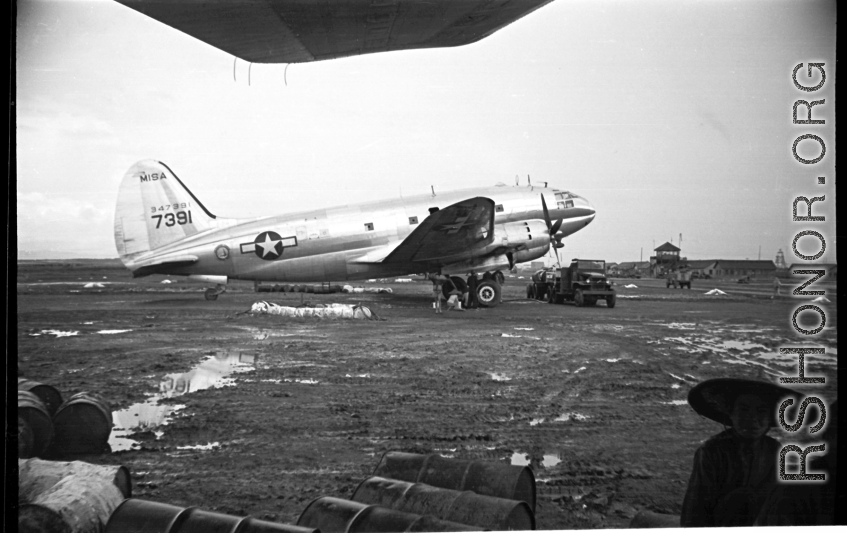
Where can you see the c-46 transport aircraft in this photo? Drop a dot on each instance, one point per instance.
(162, 228)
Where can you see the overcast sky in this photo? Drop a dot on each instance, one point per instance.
(669, 116)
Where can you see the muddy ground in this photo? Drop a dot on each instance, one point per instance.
(595, 396)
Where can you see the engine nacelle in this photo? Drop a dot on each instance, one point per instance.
(529, 233)
(220, 280)
(533, 253)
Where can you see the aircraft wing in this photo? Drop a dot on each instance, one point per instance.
(452, 233)
(298, 31)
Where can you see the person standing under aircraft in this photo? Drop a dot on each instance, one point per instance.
(437, 285)
(473, 283)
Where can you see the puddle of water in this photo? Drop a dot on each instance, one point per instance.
(112, 331)
(675, 402)
(578, 370)
(298, 380)
(209, 446)
(499, 377)
(150, 414)
(536, 421)
(675, 386)
(522, 459)
(55, 332)
(525, 329)
(567, 417)
(510, 335)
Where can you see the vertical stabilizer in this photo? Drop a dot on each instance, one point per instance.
(155, 209)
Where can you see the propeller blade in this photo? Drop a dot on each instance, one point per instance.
(555, 229)
(547, 216)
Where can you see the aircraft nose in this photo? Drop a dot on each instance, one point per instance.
(586, 205)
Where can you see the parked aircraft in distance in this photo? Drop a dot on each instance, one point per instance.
(162, 228)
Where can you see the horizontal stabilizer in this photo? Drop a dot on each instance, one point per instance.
(163, 266)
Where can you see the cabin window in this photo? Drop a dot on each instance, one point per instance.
(413, 220)
(369, 226)
(432, 210)
(498, 208)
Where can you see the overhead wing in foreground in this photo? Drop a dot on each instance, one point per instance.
(298, 31)
(450, 234)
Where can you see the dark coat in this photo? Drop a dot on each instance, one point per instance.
(729, 481)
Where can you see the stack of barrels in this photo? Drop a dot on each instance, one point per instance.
(324, 288)
(49, 426)
(412, 492)
(408, 492)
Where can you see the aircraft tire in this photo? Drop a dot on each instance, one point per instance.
(211, 294)
(488, 293)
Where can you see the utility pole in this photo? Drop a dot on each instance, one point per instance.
(642, 255)
(760, 252)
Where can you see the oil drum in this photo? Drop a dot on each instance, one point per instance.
(34, 414)
(487, 478)
(142, 516)
(464, 507)
(48, 394)
(82, 424)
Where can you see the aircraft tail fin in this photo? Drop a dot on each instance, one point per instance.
(154, 210)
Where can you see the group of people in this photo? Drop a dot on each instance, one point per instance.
(456, 298)
(734, 481)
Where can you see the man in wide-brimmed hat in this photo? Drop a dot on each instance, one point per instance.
(735, 469)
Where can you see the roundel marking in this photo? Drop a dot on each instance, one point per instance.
(222, 251)
(268, 245)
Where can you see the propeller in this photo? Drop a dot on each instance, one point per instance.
(552, 229)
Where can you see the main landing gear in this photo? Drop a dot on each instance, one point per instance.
(488, 289)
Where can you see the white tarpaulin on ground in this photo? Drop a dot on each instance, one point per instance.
(350, 288)
(715, 292)
(334, 310)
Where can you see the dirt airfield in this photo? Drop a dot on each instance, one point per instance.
(258, 414)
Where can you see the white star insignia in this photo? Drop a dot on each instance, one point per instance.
(269, 246)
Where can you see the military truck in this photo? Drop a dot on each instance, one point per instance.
(583, 282)
(679, 278)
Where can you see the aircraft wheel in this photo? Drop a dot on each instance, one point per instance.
(579, 298)
(610, 301)
(530, 290)
(211, 294)
(488, 293)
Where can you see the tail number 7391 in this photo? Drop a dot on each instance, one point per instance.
(172, 219)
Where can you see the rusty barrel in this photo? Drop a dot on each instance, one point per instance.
(464, 507)
(143, 516)
(489, 479)
(334, 515)
(82, 424)
(35, 417)
(50, 397)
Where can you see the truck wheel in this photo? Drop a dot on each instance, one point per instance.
(578, 298)
(488, 293)
(540, 292)
(610, 301)
(530, 290)
(211, 294)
